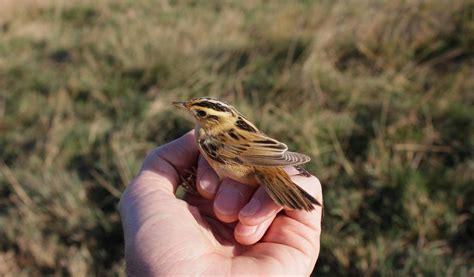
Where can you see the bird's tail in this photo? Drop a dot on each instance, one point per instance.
(283, 191)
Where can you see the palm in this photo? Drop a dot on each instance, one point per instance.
(206, 241)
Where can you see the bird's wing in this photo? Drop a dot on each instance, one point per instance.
(258, 149)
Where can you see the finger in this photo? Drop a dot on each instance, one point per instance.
(165, 164)
(260, 208)
(291, 170)
(181, 153)
(299, 229)
(230, 198)
(159, 174)
(161, 166)
(207, 180)
(250, 234)
(205, 206)
(313, 187)
(296, 170)
(298, 239)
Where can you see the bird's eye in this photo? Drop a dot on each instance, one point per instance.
(201, 113)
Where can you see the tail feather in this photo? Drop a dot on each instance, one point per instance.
(283, 191)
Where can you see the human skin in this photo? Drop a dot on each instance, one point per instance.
(228, 229)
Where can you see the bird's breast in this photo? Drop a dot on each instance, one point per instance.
(242, 174)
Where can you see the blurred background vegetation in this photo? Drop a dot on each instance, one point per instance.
(379, 93)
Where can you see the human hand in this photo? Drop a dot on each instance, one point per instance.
(166, 236)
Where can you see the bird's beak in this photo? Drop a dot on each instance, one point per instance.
(180, 104)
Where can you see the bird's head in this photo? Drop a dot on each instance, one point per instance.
(210, 113)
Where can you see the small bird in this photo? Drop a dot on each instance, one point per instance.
(236, 149)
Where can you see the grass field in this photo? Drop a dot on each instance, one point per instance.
(379, 93)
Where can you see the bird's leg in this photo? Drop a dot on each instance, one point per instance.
(188, 183)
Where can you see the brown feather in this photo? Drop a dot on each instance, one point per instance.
(261, 150)
(283, 191)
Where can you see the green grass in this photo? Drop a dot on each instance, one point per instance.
(380, 94)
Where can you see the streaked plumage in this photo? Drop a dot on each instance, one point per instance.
(235, 148)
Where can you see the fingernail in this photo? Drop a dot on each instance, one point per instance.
(244, 230)
(291, 170)
(208, 186)
(229, 201)
(208, 182)
(251, 208)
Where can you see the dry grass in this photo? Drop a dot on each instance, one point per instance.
(380, 94)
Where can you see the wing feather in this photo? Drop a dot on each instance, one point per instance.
(259, 149)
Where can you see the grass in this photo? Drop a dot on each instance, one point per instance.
(380, 94)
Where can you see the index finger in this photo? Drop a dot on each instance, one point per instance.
(165, 164)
